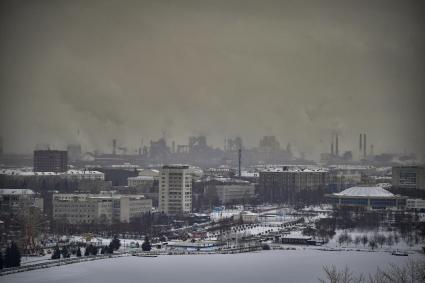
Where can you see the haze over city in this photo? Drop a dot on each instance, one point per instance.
(89, 72)
(212, 141)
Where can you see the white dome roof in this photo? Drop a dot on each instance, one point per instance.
(365, 192)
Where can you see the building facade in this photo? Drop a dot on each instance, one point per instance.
(13, 201)
(367, 197)
(50, 160)
(409, 177)
(229, 190)
(175, 189)
(99, 208)
(416, 204)
(276, 183)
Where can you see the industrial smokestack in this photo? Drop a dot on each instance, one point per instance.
(114, 146)
(239, 161)
(360, 143)
(332, 146)
(336, 146)
(364, 145)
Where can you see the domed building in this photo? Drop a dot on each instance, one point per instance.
(371, 197)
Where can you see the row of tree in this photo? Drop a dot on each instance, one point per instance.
(12, 257)
(89, 250)
(373, 242)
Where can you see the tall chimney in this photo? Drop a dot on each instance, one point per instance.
(114, 146)
(336, 146)
(360, 143)
(239, 161)
(332, 146)
(364, 145)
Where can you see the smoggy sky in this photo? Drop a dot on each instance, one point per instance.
(133, 70)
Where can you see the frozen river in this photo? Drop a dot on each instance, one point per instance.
(266, 266)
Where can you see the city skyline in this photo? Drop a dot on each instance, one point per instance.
(298, 71)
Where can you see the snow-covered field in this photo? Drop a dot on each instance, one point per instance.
(301, 265)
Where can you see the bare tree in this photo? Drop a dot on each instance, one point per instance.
(390, 240)
(396, 238)
(372, 244)
(365, 240)
(412, 272)
(357, 240)
(333, 275)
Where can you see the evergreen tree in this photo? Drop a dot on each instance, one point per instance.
(94, 250)
(13, 256)
(79, 252)
(87, 251)
(65, 252)
(56, 253)
(115, 243)
(146, 246)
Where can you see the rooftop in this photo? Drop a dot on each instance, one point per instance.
(295, 169)
(365, 192)
(20, 172)
(16, 192)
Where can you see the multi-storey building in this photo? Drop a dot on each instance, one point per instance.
(70, 174)
(13, 201)
(229, 190)
(416, 204)
(50, 160)
(100, 208)
(140, 181)
(175, 189)
(277, 184)
(409, 177)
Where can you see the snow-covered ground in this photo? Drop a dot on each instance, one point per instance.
(301, 265)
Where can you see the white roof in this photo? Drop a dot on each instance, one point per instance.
(146, 178)
(21, 172)
(292, 169)
(365, 192)
(16, 192)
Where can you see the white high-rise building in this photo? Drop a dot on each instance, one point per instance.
(175, 189)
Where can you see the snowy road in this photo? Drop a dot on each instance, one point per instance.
(266, 266)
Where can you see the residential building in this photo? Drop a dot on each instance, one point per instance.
(13, 201)
(50, 160)
(99, 208)
(275, 184)
(409, 177)
(416, 204)
(140, 181)
(175, 189)
(229, 190)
